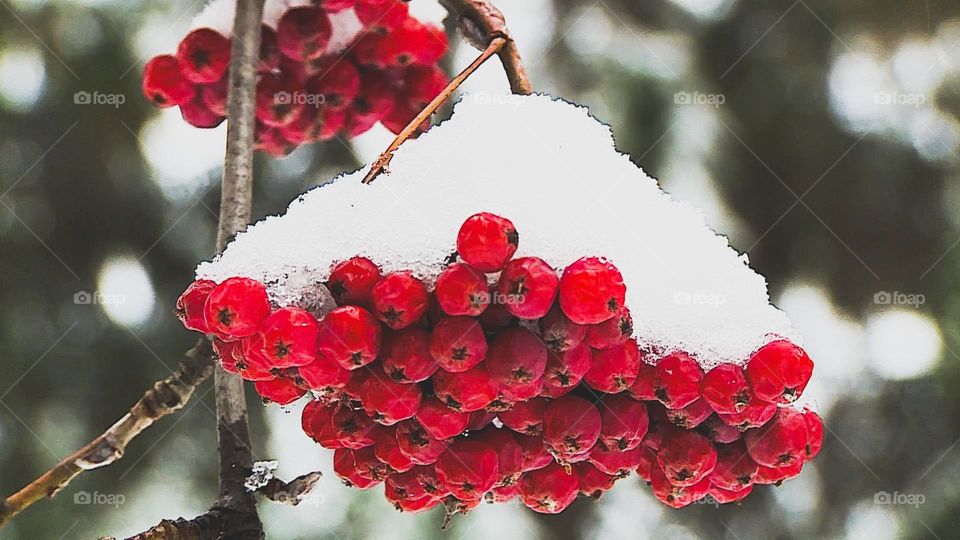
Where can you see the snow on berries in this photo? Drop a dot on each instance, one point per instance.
(506, 372)
(336, 67)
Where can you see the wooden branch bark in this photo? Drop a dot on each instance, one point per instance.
(166, 397)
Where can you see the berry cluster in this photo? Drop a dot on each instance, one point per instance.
(306, 92)
(508, 381)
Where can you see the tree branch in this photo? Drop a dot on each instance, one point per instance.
(165, 397)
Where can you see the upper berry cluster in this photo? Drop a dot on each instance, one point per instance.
(307, 92)
(508, 379)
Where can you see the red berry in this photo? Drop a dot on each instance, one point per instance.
(486, 241)
(250, 360)
(615, 369)
(643, 387)
(571, 426)
(353, 429)
(458, 344)
(387, 14)
(279, 391)
(269, 51)
(164, 84)
(516, 358)
(509, 453)
(350, 336)
(271, 141)
(776, 475)
(374, 102)
(387, 449)
(315, 419)
(686, 457)
(690, 416)
(333, 6)
(404, 486)
(303, 33)
(224, 356)
(529, 286)
(236, 307)
(592, 481)
(591, 291)
(611, 332)
(755, 414)
(461, 290)
(725, 388)
(406, 355)
(724, 496)
(275, 103)
(214, 97)
(352, 281)
(197, 114)
(549, 490)
(560, 333)
(204, 55)
(389, 401)
(324, 375)
(564, 371)
(423, 84)
(623, 421)
(191, 302)
(440, 421)
(337, 81)
(468, 469)
(814, 432)
(619, 463)
(495, 317)
(676, 496)
(780, 442)
(290, 337)
(468, 391)
(535, 453)
(648, 462)
(480, 419)
(677, 380)
(735, 468)
(779, 372)
(427, 475)
(400, 299)
(719, 432)
(525, 417)
(345, 467)
(418, 445)
(502, 494)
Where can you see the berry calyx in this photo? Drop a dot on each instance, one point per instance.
(458, 344)
(780, 442)
(571, 426)
(591, 291)
(303, 33)
(487, 241)
(204, 55)
(468, 469)
(725, 389)
(549, 490)
(623, 422)
(350, 336)
(676, 380)
(564, 371)
(516, 358)
(236, 307)
(735, 468)
(615, 369)
(467, 391)
(419, 446)
(400, 299)
(406, 357)
(560, 333)
(289, 337)
(352, 281)
(686, 457)
(164, 83)
(779, 372)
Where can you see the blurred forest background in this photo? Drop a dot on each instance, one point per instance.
(822, 137)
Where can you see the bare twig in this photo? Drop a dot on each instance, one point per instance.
(164, 398)
(292, 492)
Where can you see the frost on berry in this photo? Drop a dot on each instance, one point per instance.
(560, 333)
(406, 355)
(350, 336)
(236, 307)
(549, 490)
(418, 445)
(735, 468)
(352, 281)
(571, 426)
(399, 300)
(439, 420)
(190, 305)
(779, 372)
(623, 421)
(458, 343)
(486, 241)
(204, 55)
(725, 389)
(591, 291)
(780, 442)
(677, 380)
(615, 369)
(461, 290)
(468, 391)
(468, 469)
(516, 358)
(686, 457)
(528, 287)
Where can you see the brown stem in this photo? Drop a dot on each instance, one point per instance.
(164, 398)
(381, 163)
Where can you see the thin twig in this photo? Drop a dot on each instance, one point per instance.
(381, 163)
(166, 397)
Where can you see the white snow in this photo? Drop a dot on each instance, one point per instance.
(553, 170)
